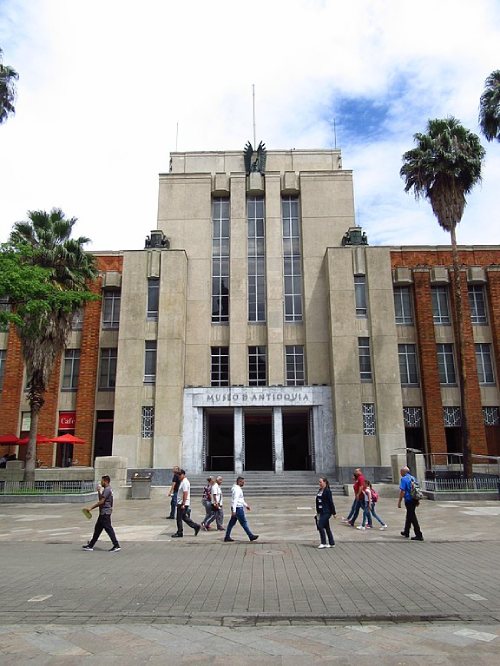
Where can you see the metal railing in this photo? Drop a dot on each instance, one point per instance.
(482, 484)
(46, 487)
(453, 462)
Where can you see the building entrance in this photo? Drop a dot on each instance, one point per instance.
(296, 440)
(220, 444)
(258, 440)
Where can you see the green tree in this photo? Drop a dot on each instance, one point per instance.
(444, 168)
(45, 274)
(8, 76)
(489, 107)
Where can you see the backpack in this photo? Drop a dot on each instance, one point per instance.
(415, 490)
(374, 495)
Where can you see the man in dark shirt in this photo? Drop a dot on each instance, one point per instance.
(105, 505)
(173, 492)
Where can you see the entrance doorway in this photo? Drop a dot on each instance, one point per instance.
(296, 447)
(258, 440)
(220, 441)
(453, 439)
(415, 439)
(103, 441)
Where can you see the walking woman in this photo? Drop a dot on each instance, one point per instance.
(325, 509)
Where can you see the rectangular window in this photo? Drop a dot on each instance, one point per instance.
(365, 363)
(408, 369)
(220, 260)
(77, 321)
(477, 304)
(111, 309)
(491, 416)
(412, 417)
(219, 375)
(484, 363)
(446, 364)
(71, 370)
(153, 298)
(402, 305)
(3, 356)
(150, 361)
(107, 370)
(257, 366)
(369, 425)
(440, 305)
(292, 270)
(360, 295)
(256, 260)
(452, 417)
(295, 368)
(148, 422)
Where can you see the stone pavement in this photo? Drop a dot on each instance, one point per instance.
(278, 598)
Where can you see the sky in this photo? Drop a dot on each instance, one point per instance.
(107, 88)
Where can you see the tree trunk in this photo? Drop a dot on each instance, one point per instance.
(462, 370)
(29, 470)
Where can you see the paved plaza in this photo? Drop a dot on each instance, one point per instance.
(277, 600)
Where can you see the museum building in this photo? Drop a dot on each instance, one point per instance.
(258, 330)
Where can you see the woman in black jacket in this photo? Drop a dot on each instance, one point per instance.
(325, 509)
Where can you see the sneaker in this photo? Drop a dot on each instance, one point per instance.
(350, 523)
(406, 536)
(360, 527)
(228, 539)
(254, 537)
(177, 536)
(369, 527)
(322, 545)
(384, 527)
(332, 545)
(204, 527)
(196, 530)
(87, 547)
(417, 538)
(115, 549)
(344, 520)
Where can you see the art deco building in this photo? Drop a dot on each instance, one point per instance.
(257, 330)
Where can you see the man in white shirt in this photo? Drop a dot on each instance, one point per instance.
(217, 513)
(238, 506)
(183, 504)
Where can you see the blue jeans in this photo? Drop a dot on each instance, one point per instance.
(367, 516)
(375, 515)
(241, 518)
(356, 508)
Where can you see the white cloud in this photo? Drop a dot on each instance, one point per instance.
(103, 85)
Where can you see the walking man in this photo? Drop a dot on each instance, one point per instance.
(411, 505)
(183, 506)
(238, 506)
(216, 512)
(105, 505)
(173, 492)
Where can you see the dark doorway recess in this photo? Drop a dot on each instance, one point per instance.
(415, 438)
(493, 440)
(453, 439)
(296, 449)
(258, 440)
(220, 444)
(103, 441)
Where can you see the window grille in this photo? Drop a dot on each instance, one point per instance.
(148, 422)
(369, 425)
(412, 417)
(491, 416)
(452, 417)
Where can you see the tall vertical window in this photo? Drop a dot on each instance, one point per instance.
(408, 364)
(402, 305)
(107, 369)
(484, 363)
(256, 259)
(111, 309)
(148, 422)
(3, 356)
(77, 320)
(369, 424)
(220, 260)
(365, 363)
(477, 304)
(292, 271)
(257, 366)
(219, 375)
(440, 305)
(446, 364)
(71, 370)
(295, 370)
(5, 306)
(153, 298)
(360, 295)
(150, 362)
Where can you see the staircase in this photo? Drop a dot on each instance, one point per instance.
(267, 484)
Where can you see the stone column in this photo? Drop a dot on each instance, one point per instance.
(238, 440)
(278, 439)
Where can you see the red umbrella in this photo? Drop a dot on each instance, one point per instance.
(9, 439)
(67, 439)
(40, 439)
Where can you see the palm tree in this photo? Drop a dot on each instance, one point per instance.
(489, 107)
(7, 89)
(44, 241)
(444, 168)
